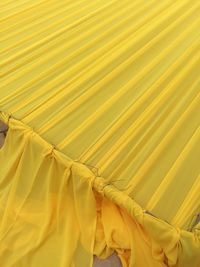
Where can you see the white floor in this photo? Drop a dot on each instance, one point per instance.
(112, 261)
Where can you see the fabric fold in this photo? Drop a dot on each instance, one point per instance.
(44, 221)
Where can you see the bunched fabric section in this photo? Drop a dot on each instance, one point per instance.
(51, 217)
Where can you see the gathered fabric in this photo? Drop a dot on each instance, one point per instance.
(56, 212)
(102, 101)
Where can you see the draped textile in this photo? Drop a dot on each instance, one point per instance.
(102, 99)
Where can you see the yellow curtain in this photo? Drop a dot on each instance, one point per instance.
(102, 99)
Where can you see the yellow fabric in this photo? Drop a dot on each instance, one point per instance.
(102, 99)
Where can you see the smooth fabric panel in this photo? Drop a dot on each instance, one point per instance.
(112, 88)
(114, 85)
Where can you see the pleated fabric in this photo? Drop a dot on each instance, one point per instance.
(102, 99)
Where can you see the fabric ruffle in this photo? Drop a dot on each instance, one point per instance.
(57, 212)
